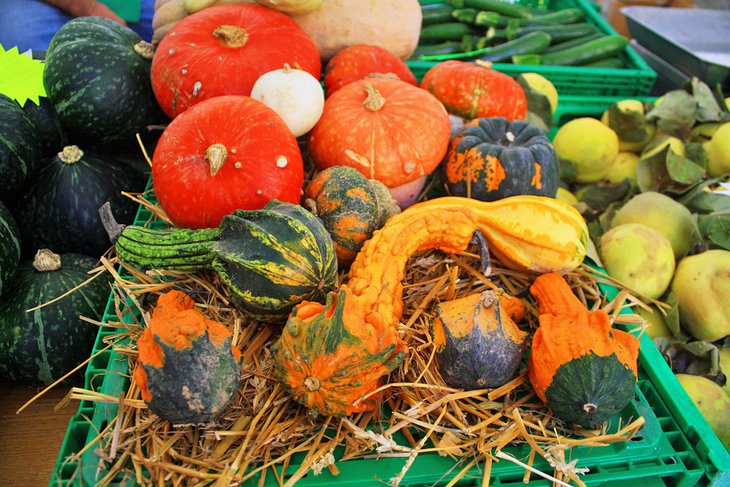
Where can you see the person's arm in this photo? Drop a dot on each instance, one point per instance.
(82, 8)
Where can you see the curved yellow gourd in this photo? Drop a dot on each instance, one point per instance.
(526, 233)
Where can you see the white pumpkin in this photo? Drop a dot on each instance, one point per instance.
(297, 96)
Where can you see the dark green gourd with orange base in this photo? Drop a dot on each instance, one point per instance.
(269, 259)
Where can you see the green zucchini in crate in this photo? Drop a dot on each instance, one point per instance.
(60, 206)
(269, 259)
(97, 75)
(41, 346)
(20, 148)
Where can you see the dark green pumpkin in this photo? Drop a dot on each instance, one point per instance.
(269, 259)
(493, 158)
(40, 346)
(20, 148)
(350, 206)
(60, 207)
(9, 247)
(97, 75)
(51, 134)
(478, 345)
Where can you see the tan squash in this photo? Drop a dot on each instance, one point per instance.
(292, 7)
(392, 24)
(170, 12)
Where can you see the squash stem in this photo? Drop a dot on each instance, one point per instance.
(374, 100)
(231, 35)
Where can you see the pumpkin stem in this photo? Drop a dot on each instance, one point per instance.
(590, 408)
(286, 68)
(312, 384)
(216, 155)
(113, 228)
(484, 64)
(311, 206)
(46, 261)
(144, 49)
(71, 154)
(374, 100)
(231, 35)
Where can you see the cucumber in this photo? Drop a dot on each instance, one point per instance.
(449, 31)
(611, 62)
(526, 59)
(558, 33)
(601, 48)
(445, 47)
(532, 43)
(578, 41)
(436, 14)
(500, 6)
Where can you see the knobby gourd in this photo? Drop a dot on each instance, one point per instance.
(478, 344)
(530, 233)
(581, 367)
(187, 368)
(269, 259)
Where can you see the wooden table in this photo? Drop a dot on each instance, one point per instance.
(30, 441)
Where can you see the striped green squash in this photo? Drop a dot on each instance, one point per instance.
(41, 346)
(9, 247)
(270, 259)
(97, 75)
(20, 148)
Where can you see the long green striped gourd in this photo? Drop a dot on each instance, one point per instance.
(270, 259)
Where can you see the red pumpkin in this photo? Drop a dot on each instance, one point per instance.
(223, 50)
(224, 154)
(475, 90)
(385, 128)
(362, 60)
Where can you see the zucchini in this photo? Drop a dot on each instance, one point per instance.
(436, 13)
(578, 41)
(449, 31)
(558, 33)
(564, 16)
(601, 48)
(445, 47)
(500, 6)
(532, 43)
(465, 15)
(611, 62)
(526, 59)
(487, 19)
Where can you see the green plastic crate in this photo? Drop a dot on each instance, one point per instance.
(661, 454)
(634, 80)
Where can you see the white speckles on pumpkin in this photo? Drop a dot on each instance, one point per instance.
(233, 151)
(171, 51)
(282, 161)
(409, 167)
(259, 191)
(196, 88)
(358, 158)
(237, 165)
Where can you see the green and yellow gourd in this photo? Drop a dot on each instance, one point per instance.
(269, 259)
(360, 320)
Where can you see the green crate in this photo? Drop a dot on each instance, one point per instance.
(660, 454)
(634, 80)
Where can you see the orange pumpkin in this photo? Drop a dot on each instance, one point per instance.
(385, 128)
(475, 90)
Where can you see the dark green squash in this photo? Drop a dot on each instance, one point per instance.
(51, 134)
(187, 368)
(269, 259)
(60, 207)
(97, 75)
(478, 345)
(9, 247)
(493, 158)
(350, 206)
(41, 346)
(20, 148)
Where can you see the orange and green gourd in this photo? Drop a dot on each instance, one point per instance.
(319, 352)
(187, 368)
(580, 366)
(478, 344)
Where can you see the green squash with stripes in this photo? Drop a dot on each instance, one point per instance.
(20, 148)
(9, 247)
(269, 259)
(41, 346)
(97, 75)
